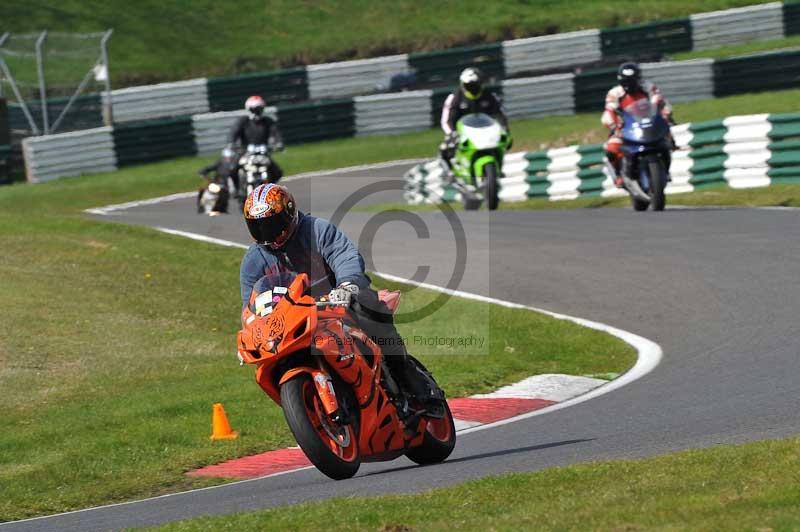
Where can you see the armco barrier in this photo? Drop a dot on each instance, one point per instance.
(591, 88)
(525, 97)
(734, 26)
(757, 73)
(311, 122)
(393, 113)
(5, 163)
(280, 87)
(542, 96)
(86, 112)
(68, 154)
(353, 78)
(682, 81)
(791, 18)
(153, 141)
(443, 67)
(740, 151)
(647, 40)
(163, 100)
(552, 52)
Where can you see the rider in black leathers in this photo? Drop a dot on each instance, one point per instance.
(469, 98)
(258, 128)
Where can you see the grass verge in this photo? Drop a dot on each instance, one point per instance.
(117, 340)
(741, 49)
(205, 37)
(747, 487)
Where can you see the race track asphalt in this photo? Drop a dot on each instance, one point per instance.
(718, 289)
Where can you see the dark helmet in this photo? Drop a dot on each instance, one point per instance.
(471, 80)
(271, 215)
(629, 76)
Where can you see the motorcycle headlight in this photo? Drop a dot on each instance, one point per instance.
(215, 188)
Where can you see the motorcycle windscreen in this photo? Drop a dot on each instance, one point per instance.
(478, 120)
(642, 123)
(270, 289)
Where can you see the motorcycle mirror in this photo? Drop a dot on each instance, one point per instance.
(298, 287)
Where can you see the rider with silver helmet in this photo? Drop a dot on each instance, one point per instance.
(471, 97)
(258, 128)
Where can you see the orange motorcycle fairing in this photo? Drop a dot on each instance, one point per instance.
(295, 337)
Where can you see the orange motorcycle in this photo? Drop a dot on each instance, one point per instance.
(328, 376)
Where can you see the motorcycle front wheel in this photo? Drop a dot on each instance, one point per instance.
(658, 181)
(491, 177)
(331, 447)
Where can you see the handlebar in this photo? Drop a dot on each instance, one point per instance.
(323, 304)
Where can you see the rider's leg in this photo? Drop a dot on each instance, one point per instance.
(378, 322)
(613, 149)
(446, 154)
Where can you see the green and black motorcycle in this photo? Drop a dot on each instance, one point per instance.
(478, 161)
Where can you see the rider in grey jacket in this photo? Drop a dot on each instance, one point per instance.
(289, 241)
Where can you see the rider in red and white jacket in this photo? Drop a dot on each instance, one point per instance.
(631, 89)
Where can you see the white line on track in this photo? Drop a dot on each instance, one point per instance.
(110, 209)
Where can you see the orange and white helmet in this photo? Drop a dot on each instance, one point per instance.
(255, 106)
(271, 215)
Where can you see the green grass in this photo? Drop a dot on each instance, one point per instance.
(747, 487)
(158, 41)
(116, 340)
(742, 49)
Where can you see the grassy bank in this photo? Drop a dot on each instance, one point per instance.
(742, 49)
(117, 340)
(159, 41)
(748, 487)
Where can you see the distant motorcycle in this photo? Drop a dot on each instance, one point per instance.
(647, 151)
(478, 162)
(212, 199)
(254, 168)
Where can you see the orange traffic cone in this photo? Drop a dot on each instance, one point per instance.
(220, 428)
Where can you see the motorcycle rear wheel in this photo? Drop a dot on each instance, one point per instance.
(639, 205)
(332, 448)
(440, 435)
(438, 442)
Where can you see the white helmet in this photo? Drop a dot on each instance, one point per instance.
(255, 106)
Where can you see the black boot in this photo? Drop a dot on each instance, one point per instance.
(419, 386)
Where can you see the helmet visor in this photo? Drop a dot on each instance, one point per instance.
(473, 88)
(270, 230)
